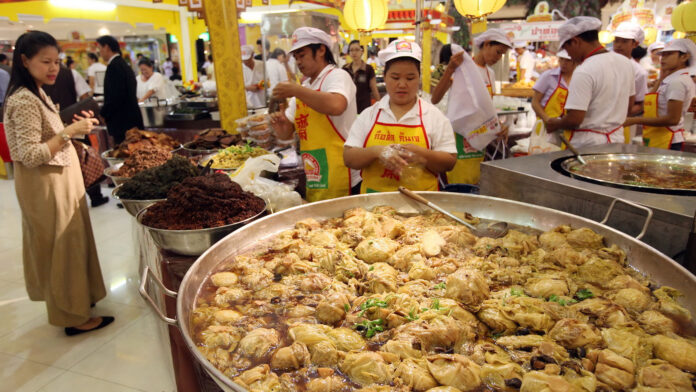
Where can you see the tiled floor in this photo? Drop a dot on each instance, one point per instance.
(35, 356)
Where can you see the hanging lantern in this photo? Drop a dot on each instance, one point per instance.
(605, 37)
(365, 15)
(650, 35)
(677, 14)
(689, 16)
(475, 9)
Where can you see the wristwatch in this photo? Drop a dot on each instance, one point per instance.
(65, 136)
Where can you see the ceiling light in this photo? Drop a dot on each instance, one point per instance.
(88, 5)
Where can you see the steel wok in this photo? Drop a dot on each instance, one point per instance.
(661, 269)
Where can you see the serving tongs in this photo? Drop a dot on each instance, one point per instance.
(571, 148)
(492, 230)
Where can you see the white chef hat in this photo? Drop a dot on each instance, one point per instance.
(683, 45)
(655, 46)
(630, 30)
(576, 26)
(309, 35)
(400, 48)
(496, 35)
(247, 52)
(519, 44)
(563, 55)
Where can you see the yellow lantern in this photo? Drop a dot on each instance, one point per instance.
(650, 35)
(478, 8)
(605, 37)
(365, 15)
(678, 35)
(689, 16)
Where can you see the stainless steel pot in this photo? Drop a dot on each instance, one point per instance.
(154, 112)
(661, 269)
(131, 205)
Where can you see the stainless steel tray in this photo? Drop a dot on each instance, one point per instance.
(661, 269)
(568, 164)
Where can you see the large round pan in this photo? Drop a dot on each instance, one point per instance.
(662, 270)
(569, 165)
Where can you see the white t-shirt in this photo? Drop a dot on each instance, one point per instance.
(92, 72)
(678, 87)
(488, 76)
(547, 83)
(255, 99)
(81, 87)
(156, 82)
(437, 127)
(276, 73)
(527, 62)
(337, 81)
(601, 87)
(641, 76)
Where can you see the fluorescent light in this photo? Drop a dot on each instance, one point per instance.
(104, 31)
(88, 5)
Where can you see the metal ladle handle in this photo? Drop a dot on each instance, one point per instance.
(423, 200)
(147, 273)
(571, 148)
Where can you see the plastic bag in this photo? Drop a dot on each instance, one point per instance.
(470, 106)
(539, 140)
(277, 196)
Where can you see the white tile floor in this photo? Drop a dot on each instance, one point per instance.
(35, 356)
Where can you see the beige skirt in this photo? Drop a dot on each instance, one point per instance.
(61, 266)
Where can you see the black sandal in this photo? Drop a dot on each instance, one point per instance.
(72, 331)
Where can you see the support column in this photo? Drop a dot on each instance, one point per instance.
(186, 44)
(427, 57)
(221, 16)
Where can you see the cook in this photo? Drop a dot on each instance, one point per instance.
(492, 45)
(602, 89)
(402, 139)
(665, 107)
(321, 111)
(253, 78)
(551, 90)
(627, 37)
(525, 62)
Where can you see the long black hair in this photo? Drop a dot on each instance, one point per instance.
(328, 56)
(28, 44)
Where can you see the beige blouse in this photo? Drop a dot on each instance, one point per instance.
(29, 124)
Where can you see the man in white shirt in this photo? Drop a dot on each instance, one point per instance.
(95, 71)
(525, 62)
(627, 36)
(602, 89)
(321, 111)
(253, 78)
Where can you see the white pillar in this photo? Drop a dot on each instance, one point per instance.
(186, 54)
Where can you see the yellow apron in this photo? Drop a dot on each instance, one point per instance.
(467, 170)
(377, 178)
(519, 69)
(659, 137)
(321, 147)
(555, 106)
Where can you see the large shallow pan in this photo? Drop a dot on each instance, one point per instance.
(663, 270)
(569, 167)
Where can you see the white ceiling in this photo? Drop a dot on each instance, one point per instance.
(62, 28)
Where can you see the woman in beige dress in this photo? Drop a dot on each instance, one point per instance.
(61, 266)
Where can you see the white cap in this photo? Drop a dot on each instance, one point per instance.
(683, 45)
(563, 55)
(519, 44)
(496, 35)
(656, 46)
(400, 48)
(630, 30)
(576, 26)
(247, 52)
(309, 35)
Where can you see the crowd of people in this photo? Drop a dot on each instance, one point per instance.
(351, 139)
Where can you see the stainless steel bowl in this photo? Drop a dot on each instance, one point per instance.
(647, 260)
(191, 242)
(111, 160)
(117, 180)
(193, 151)
(131, 205)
